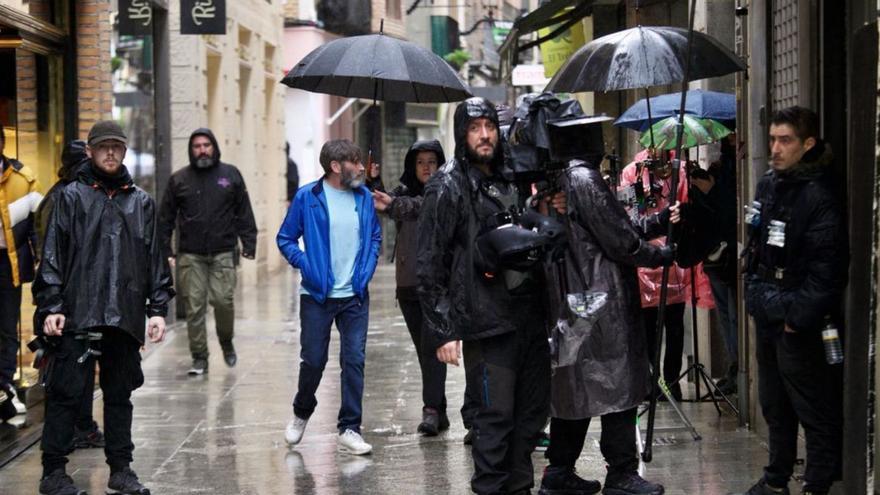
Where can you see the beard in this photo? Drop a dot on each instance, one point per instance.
(204, 161)
(353, 180)
(474, 157)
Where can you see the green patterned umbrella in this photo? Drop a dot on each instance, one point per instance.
(696, 132)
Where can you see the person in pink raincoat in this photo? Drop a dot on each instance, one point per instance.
(642, 198)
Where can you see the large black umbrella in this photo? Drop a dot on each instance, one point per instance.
(378, 67)
(642, 57)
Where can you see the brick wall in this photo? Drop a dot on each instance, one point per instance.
(93, 62)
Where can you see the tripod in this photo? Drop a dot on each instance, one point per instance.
(697, 367)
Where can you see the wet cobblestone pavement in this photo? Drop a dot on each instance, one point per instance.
(223, 433)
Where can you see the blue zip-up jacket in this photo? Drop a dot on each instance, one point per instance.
(307, 218)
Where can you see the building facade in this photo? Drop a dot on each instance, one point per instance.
(230, 83)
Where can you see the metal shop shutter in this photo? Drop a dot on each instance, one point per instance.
(785, 87)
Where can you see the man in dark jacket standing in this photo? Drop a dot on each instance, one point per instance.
(209, 203)
(500, 317)
(795, 277)
(102, 275)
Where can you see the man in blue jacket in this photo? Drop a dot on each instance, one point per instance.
(337, 221)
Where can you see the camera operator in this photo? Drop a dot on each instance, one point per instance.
(610, 377)
(650, 176)
(498, 314)
(796, 266)
(101, 276)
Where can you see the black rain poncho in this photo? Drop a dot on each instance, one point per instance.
(611, 370)
(102, 261)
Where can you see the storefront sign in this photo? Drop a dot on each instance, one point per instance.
(557, 50)
(202, 16)
(135, 17)
(529, 75)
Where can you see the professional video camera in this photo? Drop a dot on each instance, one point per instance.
(547, 133)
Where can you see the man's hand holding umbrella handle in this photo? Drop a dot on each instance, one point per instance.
(450, 352)
(156, 329)
(172, 261)
(53, 325)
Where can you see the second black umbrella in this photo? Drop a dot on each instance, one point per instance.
(642, 57)
(377, 67)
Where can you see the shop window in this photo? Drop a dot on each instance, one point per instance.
(134, 105)
(31, 113)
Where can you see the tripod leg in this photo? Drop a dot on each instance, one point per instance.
(684, 419)
(723, 396)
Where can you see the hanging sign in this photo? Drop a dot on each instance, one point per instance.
(202, 16)
(557, 50)
(135, 17)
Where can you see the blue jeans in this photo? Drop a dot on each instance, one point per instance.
(351, 315)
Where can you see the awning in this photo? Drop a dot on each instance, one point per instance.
(543, 16)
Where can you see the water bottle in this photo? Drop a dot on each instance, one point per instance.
(831, 340)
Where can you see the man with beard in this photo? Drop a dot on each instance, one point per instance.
(336, 219)
(499, 316)
(209, 203)
(102, 276)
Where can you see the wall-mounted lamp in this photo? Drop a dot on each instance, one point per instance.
(10, 39)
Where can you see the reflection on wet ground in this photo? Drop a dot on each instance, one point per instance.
(223, 433)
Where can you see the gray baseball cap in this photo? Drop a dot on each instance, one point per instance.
(106, 130)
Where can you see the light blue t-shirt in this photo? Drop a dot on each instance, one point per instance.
(344, 239)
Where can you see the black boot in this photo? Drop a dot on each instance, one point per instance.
(59, 483)
(430, 425)
(566, 482)
(762, 488)
(125, 481)
(630, 483)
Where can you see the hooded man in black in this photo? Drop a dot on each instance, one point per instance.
(208, 201)
(499, 316)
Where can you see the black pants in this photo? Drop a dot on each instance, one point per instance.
(618, 442)
(513, 376)
(433, 371)
(796, 385)
(10, 310)
(674, 330)
(85, 420)
(66, 380)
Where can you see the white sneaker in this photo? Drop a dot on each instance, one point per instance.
(19, 407)
(295, 429)
(352, 442)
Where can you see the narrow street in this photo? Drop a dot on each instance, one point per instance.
(222, 433)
